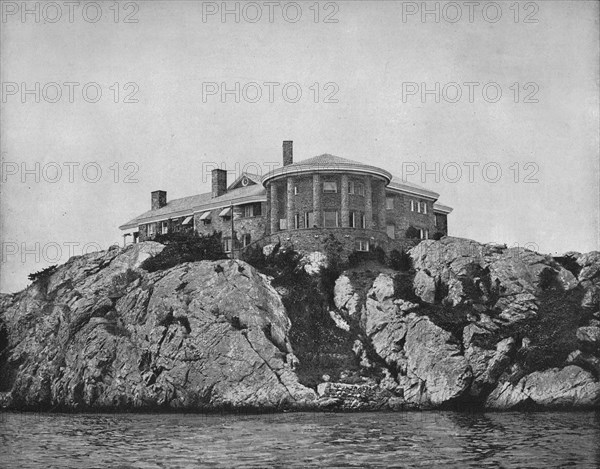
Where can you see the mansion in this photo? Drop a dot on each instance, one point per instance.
(301, 204)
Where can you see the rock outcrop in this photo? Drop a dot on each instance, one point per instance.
(489, 275)
(558, 388)
(102, 333)
(462, 340)
(470, 324)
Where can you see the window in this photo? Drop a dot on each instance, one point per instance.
(329, 187)
(357, 219)
(360, 189)
(246, 239)
(363, 221)
(425, 207)
(164, 227)
(151, 229)
(412, 205)
(391, 231)
(283, 223)
(362, 244)
(330, 219)
(350, 187)
(309, 220)
(252, 210)
(205, 217)
(227, 244)
(389, 203)
(418, 207)
(297, 221)
(295, 190)
(424, 233)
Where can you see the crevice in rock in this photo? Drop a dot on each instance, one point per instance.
(269, 367)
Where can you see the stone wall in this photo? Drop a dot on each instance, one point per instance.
(254, 226)
(402, 217)
(308, 240)
(307, 197)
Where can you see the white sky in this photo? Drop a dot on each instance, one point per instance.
(171, 134)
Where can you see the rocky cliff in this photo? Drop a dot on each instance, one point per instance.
(469, 324)
(103, 333)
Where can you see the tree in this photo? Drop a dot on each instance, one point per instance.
(413, 233)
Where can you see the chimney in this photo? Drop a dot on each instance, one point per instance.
(219, 182)
(288, 152)
(158, 199)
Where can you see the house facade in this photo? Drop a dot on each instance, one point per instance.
(300, 204)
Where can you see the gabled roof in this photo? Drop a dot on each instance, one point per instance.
(253, 178)
(196, 203)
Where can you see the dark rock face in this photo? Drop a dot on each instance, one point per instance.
(490, 275)
(464, 341)
(104, 334)
(471, 324)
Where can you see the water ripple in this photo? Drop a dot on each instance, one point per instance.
(416, 439)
